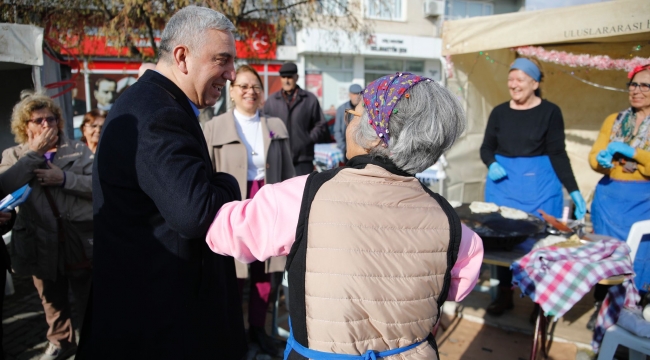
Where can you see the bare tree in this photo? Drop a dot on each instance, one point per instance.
(134, 23)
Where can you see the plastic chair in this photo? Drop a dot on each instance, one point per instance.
(615, 335)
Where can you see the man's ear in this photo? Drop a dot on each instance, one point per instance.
(180, 54)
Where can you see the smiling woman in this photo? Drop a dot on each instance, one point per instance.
(245, 136)
(524, 151)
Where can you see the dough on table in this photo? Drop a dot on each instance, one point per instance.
(511, 213)
(480, 207)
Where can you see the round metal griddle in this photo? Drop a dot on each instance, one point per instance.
(498, 232)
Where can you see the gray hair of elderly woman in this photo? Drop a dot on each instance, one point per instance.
(425, 126)
(188, 26)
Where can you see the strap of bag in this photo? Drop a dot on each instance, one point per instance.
(57, 214)
(85, 263)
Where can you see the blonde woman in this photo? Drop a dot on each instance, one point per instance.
(59, 170)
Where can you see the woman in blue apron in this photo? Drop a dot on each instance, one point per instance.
(622, 154)
(524, 151)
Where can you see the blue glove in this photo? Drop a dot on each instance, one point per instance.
(581, 206)
(604, 159)
(496, 171)
(621, 148)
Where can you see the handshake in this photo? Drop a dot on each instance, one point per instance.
(606, 156)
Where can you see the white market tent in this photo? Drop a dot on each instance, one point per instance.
(481, 50)
(23, 66)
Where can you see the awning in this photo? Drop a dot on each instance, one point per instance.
(621, 20)
(22, 44)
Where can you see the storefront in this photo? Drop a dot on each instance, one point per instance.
(332, 60)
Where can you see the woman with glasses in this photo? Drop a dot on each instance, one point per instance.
(59, 171)
(373, 253)
(91, 128)
(622, 154)
(255, 150)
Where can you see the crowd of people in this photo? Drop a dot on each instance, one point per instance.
(154, 222)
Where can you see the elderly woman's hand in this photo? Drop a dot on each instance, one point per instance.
(50, 177)
(44, 141)
(604, 159)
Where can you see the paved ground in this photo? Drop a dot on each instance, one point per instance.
(476, 336)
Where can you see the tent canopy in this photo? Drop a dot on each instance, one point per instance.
(481, 52)
(612, 21)
(21, 44)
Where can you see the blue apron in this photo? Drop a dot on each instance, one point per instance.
(616, 207)
(292, 344)
(531, 184)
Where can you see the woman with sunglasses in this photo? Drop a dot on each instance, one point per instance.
(622, 154)
(373, 253)
(59, 171)
(255, 150)
(91, 128)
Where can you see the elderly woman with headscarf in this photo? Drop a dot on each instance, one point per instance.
(59, 172)
(372, 253)
(622, 197)
(527, 162)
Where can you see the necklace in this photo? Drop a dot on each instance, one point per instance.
(253, 152)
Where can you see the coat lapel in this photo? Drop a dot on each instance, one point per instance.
(266, 135)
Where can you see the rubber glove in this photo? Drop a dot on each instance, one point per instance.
(496, 171)
(621, 148)
(581, 206)
(604, 159)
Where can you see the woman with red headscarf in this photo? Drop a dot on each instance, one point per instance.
(622, 154)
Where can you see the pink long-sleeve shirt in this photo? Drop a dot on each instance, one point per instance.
(265, 226)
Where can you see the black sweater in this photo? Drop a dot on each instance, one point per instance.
(526, 133)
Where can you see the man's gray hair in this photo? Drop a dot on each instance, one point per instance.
(425, 126)
(188, 27)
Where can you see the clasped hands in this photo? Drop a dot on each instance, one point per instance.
(606, 156)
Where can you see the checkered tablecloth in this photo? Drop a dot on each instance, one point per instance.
(328, 154)
(556, 278)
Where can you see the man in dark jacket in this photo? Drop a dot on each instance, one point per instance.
(303, 117)
(339, 124)
(159, 292)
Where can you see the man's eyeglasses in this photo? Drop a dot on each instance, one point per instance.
(349, 115)
(642, 86)
(51, 120)
(244, 88)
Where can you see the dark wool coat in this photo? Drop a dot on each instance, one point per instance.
(304, 120)
(159, 292)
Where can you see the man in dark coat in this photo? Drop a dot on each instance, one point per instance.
(159, 292)
(303, 117)
(339, 125)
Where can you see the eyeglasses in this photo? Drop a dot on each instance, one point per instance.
(51, 120)
(349, 115)
(643, 87)
(244, 88)
(94, 127)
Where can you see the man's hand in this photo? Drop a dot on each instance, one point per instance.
(44, 141)
(50, 177)
(5, 217)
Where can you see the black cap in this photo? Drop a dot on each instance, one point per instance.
(288, 69)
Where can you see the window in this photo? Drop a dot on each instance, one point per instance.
(459, 9)
(376, 68)
(332, 7)
(384, 9)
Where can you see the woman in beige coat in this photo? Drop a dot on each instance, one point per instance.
(50, 163)
(255, 150)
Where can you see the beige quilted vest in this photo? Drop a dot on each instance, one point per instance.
(375, 264)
